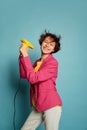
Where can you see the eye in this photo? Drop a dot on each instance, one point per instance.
(51, 44)
(46, 41)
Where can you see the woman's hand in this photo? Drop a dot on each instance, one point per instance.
(23, 50)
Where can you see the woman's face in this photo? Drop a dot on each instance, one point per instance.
(48, 45)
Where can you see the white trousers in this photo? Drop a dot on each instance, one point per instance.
(50, 117)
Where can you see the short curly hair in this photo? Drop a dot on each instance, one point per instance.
(54, 37)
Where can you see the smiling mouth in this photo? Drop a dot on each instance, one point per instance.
(46, 48)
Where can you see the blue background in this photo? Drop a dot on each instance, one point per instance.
(28, 19)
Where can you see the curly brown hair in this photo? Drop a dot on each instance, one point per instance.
(55, 38)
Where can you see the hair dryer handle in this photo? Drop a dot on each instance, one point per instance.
(27, 43)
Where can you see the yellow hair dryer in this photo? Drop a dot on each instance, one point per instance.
(27, 43)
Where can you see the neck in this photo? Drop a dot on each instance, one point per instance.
(43, 56)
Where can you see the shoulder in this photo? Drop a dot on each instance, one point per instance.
(50, 61)
(53, 60)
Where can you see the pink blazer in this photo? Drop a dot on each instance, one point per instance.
(43, 82)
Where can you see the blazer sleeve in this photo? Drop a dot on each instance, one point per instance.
(46, 72)
(21, 68)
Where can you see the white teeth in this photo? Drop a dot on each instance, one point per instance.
(46, 48)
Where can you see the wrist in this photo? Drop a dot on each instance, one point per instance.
(25, 54)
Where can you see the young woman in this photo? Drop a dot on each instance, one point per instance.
(42, 76)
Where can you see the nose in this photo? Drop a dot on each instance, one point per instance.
(48, 44)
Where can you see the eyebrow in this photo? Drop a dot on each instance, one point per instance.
(50, 41)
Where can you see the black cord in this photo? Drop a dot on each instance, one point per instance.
(14, 114)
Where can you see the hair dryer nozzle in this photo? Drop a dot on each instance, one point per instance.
(27, 43)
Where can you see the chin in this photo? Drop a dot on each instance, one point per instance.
(46, 53)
